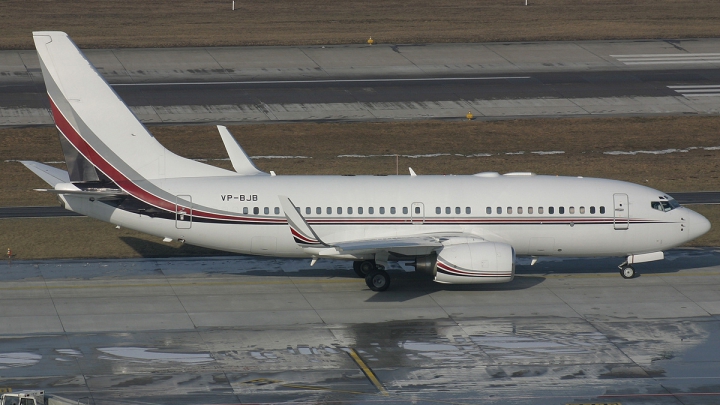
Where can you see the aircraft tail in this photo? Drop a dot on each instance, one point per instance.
(103, 141)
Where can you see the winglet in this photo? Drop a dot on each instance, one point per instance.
(303, 234)
(240, 160)
(412, 172)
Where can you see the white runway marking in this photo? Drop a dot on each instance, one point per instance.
(709, 90)
(418, 79)
(668, 58)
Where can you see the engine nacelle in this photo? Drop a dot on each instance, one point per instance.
(476, 263)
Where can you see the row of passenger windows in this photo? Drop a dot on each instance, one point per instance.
(541, 210)
(417, 210)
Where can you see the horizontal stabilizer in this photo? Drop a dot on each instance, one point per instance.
(240, 160)
(51, 175)
(97, 193)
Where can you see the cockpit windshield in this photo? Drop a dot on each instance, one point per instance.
(665, 206)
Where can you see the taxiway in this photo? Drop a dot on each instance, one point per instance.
(253, 330)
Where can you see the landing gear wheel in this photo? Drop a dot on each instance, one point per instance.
(378, 280)
(627, 272)
(363, 268)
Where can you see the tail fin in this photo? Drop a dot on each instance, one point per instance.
(98, 130)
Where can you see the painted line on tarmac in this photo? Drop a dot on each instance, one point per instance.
(419, 79)
(367, 371)
(171, 284)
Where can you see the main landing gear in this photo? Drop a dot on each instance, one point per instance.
(627, 271)
(376, 278)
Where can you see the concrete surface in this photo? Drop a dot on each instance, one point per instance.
(255, 330)
(606, 80)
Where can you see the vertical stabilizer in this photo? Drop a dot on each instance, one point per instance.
(98, 125)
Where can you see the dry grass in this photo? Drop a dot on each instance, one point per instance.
(166, 23)
(71, 238)
(582, 140)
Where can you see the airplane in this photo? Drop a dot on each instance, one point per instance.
(465, 229)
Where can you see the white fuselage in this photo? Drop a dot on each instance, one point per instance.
(536, 215)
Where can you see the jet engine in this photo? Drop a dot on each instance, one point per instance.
(470, 263)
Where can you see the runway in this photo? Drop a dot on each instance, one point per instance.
(254, 330)
(389, 82)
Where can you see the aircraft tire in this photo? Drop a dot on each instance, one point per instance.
(378, 280)
(627, 272)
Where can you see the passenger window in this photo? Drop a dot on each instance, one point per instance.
(256, 210)
(519, 210)
(592, 210)
(417, 210)
(245, 210)
(392, 210)
(488, 210)
(551, 210)
(349, 211)
(468, 210)
(561, 210)
(438, 210)
(339, 210)
(530, 210)
(266, 210)
(382, 210)
(509, 210)
(360, 210)
(329, 210)
(447, 210)
(405, 210)
(499, 210)
(371, 210)
(318, 210)
(540, 210)
(602, 210)
(457, 210)
(277, 210)
(582, 210)
(571, 210)
(308, 210)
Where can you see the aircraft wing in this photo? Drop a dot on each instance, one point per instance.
(306, 237)
(414, 245)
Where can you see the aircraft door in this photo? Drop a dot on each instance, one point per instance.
(417, 213)
(622, 211)
(183, 212)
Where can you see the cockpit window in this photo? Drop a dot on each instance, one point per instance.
(665, 206)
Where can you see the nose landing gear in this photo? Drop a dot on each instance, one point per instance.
(627, 271)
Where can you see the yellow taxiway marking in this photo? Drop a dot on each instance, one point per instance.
(5, 390)
(368, 373)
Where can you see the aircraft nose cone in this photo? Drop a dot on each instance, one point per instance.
(698, 225)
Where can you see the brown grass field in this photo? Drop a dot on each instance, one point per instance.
(583, 141)
(165, 23)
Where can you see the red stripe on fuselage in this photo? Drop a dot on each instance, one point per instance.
(123, 181)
